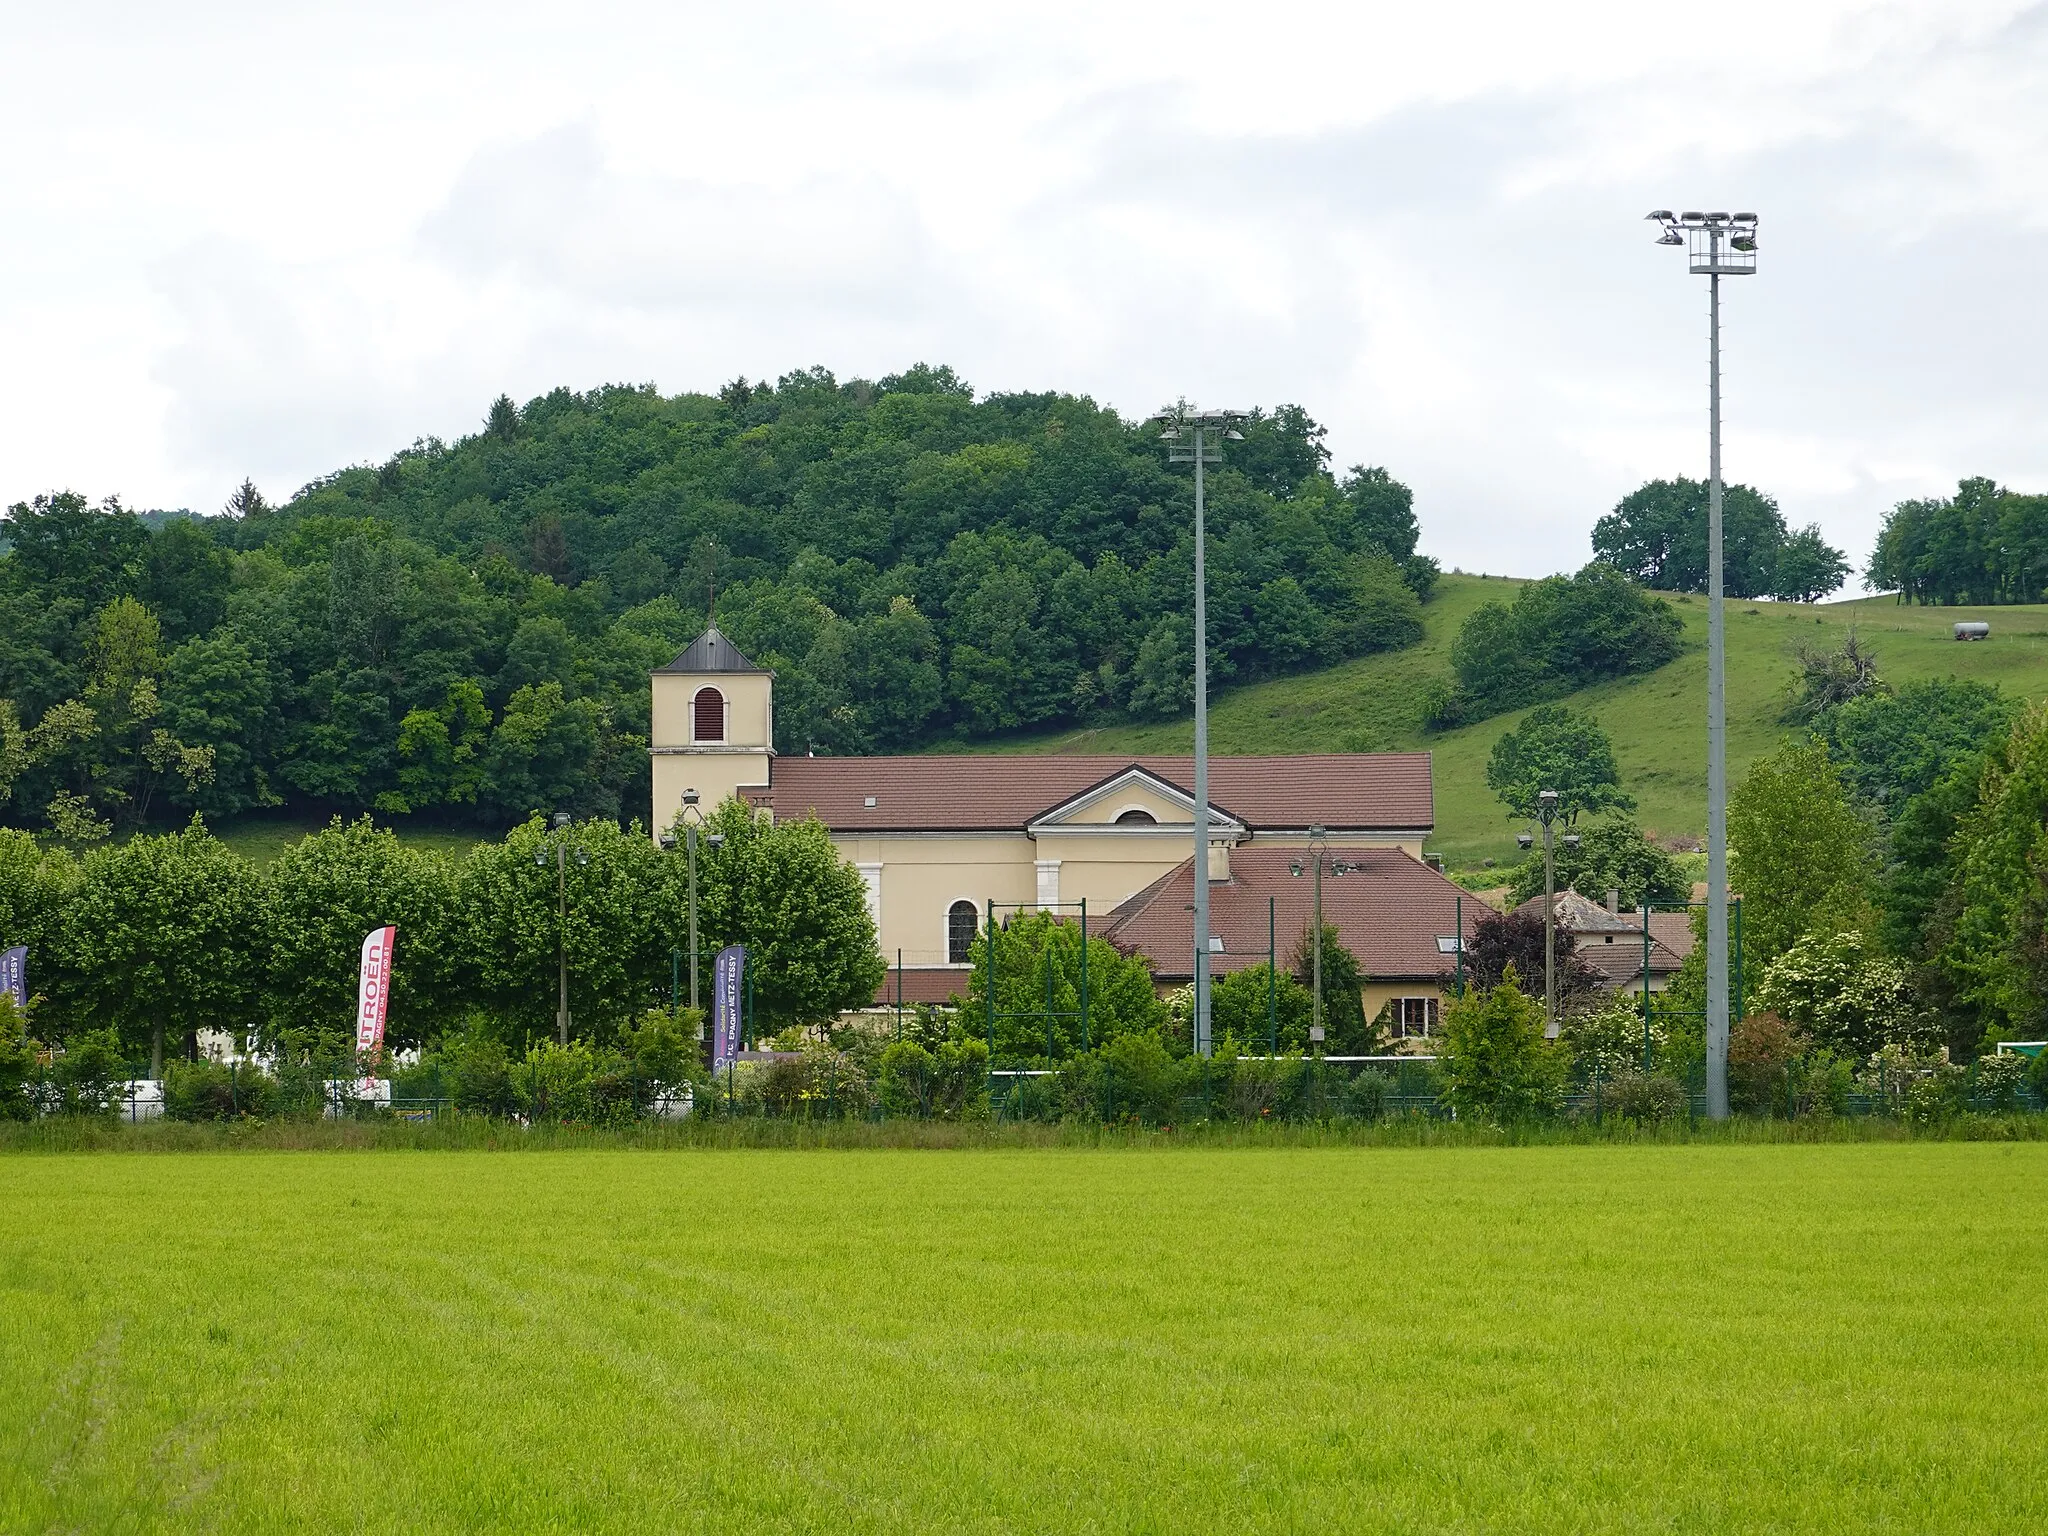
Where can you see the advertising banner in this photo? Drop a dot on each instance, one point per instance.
(373, 993)
(728, 973)
(14, 974)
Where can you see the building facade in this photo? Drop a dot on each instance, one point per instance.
(940, 841)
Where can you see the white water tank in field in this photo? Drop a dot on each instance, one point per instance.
(1975, 630)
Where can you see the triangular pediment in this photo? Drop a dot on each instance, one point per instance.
(1121, 802)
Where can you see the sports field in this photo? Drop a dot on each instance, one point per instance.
(1761, 1338)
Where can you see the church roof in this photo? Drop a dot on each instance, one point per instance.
(712, 652)
(1344, 791)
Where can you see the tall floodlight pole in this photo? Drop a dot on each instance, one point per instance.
(557, 850)
(1197, 437)
(1717, 245)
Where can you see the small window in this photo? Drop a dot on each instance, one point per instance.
(1135, 817)
(710, 717)
(961, 921)
(1414, 1018)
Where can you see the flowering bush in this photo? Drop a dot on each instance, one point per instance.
(1836, 989)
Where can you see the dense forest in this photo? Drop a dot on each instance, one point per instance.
(466, 629)
(1985, 544)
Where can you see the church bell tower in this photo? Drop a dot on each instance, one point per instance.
(713, 727)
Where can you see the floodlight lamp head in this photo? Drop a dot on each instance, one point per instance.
(1571, 839)
(668, 840)
(689, 797)
(561, 820)
(1661, 215)
(1317, 832)
(1294, 867)
(1671, 237)
(1546, 797)
(1233, 436)
(1523, 840)
(582, 856)
(714, 839)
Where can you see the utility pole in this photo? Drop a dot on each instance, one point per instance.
(1718, 245)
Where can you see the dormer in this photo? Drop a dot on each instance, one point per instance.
(713, 726)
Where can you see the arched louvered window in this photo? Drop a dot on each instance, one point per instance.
(710, 724)
(1137, 816)
(961, 921)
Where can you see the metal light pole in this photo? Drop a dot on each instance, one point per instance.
(1547, 812)
(1717, 245)
(1318, 848)
(692, 818)
(558, 844)
(1197, 437)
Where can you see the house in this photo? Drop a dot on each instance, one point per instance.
(938, 839)
(1611, 940)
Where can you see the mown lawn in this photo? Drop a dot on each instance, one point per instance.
(1788, 1338)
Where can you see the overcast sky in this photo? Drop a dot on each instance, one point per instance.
(268, 239)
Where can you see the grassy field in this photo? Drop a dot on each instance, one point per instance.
(1532, 1339)
(1658, 720)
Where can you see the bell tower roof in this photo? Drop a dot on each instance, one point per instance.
(712, 652)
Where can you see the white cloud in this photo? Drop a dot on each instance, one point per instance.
(274, 239)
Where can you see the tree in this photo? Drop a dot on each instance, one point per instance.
(1038, 990)
(36, 886)
(617, 933)
(1561, 633)
(1892, 747)
(162, 939)
(1502, 943)
(1657, 534)
(1612, 855)
(1347, 1030)
(1493, 1059)
(1808, 567)
(322, 895)
(1803, 855)
(781, 889)
(1555, 748)
(246, 501)
(1238, 1009)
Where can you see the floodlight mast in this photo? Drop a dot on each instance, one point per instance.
(1717, 245)
(1197, 437)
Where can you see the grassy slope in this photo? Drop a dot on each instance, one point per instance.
(1658, 721)
(1542, 1339)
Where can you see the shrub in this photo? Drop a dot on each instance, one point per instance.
(89, 1073)
(1996, 1081)
(1760, 1049)
(1837, 989)
(479, 1077)
(1607, 1040)
(20, 1057)
(1645, 1097)
(1365, 1096)
(217, 1090)
(1495, 1062)
(1443, 706)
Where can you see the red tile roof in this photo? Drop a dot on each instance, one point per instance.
(1350, 791)
(923, 985)
(1389, 912)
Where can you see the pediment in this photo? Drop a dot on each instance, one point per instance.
(1114, 806)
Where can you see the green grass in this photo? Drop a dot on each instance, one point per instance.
(1657, 720)
(1788, 1338)
(260, 839)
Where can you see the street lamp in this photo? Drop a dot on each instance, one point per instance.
(1319, 851)
(692, 818)
(1717, 245)
(1197, 438)
(1547, 812)
(557, 842)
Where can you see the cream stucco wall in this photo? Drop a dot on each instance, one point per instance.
(716, 770)
(917, 878)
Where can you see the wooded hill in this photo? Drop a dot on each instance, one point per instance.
(465, 630)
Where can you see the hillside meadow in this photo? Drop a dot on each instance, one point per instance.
(1586, 1339)
(1657, 719)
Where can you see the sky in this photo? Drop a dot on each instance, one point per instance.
(271, 239)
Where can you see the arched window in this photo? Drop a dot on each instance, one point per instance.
(1136, 817)
(961, 921)
(710, 721)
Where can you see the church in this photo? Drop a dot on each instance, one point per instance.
(937, 838)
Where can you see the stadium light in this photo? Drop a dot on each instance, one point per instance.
(1717, 245)
(1197, 437)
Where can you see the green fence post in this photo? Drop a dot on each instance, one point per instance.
(1272, 986)
(1087, 1043)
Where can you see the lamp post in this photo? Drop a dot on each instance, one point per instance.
(692, 818)
(1319, 851)
(559, 847)
(1717, 245)
(1197, 438)
(1547, 812)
